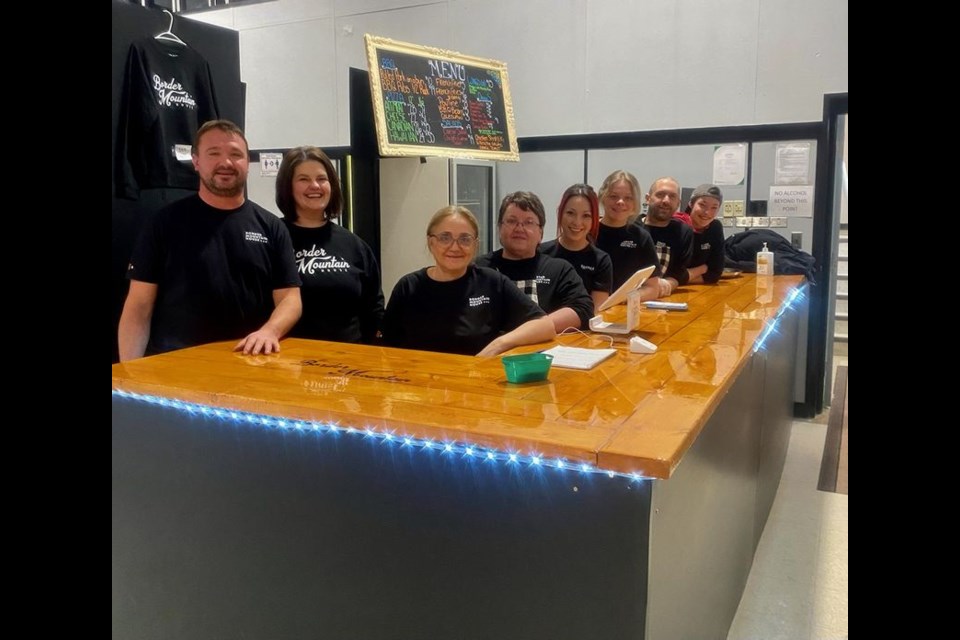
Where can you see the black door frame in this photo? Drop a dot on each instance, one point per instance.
(824, 220)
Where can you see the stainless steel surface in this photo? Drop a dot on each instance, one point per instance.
(706, 520)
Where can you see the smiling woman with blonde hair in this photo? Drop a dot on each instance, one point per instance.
(630, 246)
(455, 306)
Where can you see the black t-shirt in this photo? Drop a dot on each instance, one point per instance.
(593, 265)
(674, 246)
(216, 271)
(708, 250)
(341, 294)
(631, 249)
(551, 283)
(460, 316)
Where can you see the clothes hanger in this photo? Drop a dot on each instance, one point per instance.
(169, 35)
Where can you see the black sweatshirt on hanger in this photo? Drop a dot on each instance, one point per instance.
(168, 93)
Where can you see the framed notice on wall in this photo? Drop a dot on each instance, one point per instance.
(433, 102)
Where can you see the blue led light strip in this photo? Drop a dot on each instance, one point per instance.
(464, 450)
(795, 295)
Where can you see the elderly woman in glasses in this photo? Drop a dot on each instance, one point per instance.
(455, 306)
(578, 221)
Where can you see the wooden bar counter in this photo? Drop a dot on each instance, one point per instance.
(347, 491)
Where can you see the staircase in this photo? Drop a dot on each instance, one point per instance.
(840, 312)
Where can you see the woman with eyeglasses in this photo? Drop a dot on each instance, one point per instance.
(455, 306)
(578, 221)
(553, 284)
(630, 246)
(341, 293)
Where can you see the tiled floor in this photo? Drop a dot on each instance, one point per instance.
(797, 589)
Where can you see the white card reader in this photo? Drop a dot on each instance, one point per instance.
(639, 345)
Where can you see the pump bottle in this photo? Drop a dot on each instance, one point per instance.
(765, 261)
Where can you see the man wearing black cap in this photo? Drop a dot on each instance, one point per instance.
(673, 239)
(706, 265)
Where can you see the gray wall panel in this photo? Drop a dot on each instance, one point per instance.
(576, 66)
(547, 174)
(231, 530)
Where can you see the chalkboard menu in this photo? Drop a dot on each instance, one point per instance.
(432, 102)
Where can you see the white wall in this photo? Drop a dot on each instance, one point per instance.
(410, 193)
(547, 174)
(575, 66)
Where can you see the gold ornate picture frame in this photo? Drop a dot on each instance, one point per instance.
(435, 102)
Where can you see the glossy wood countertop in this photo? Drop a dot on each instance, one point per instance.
(633, 413)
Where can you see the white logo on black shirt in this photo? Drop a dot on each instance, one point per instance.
(705, 246)
(587, 267)
(312, 260)
(171, 93)
(479, 300)
(254, 236)
(629, 244)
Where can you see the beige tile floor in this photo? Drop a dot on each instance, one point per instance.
(797, 589)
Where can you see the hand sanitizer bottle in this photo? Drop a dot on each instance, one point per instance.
(765, 261)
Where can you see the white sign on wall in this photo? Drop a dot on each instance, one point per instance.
(270, 163)
(792, 164)
(796, 201)
(729, 164)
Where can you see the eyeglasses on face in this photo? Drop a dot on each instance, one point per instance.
(526, 225)
(445, 239)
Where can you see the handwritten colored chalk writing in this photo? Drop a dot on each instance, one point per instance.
(481, 115)
(478, 86)
(432, 101)
(398, 125)
(456, 136)
(444, 69)
(418, 117)
(490, 143)
(397, 80)
(419, 85)
(448, 94)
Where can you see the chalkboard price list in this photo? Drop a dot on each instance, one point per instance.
(430, 101)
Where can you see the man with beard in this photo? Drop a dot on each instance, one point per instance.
(672, 238)
(213, 266)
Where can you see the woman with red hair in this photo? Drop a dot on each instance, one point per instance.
(578, 220)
